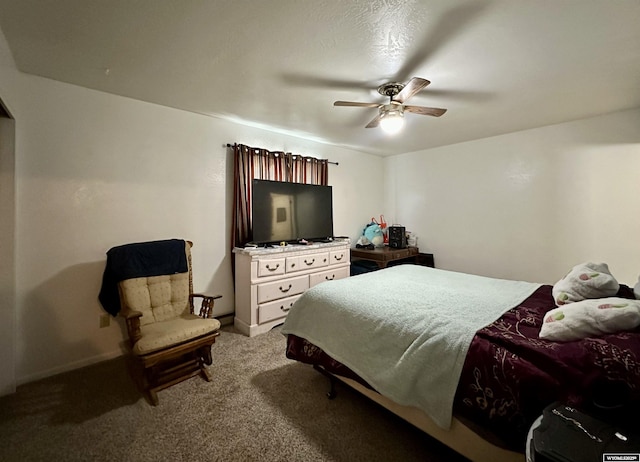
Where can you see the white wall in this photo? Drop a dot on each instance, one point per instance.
(527, 205)
(95, 170)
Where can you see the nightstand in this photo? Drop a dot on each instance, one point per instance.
(383, 256)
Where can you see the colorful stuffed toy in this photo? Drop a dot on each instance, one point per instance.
(372, 234)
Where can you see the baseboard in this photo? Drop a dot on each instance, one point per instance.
(68, 367)
(225, 319)
(8, 390)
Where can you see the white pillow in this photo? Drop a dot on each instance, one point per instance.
(636, 289)
(589, 318)
(586, 280)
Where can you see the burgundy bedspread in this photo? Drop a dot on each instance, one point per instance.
(510, 374)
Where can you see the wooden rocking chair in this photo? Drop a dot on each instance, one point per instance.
(169, 341)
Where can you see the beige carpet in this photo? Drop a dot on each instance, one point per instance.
(259, 407)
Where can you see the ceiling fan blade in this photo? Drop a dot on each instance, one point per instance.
(355, 104)
(302, 80)
(466, 95)
(375, 122)
(432, 111)
(411, 88)
(452, 23)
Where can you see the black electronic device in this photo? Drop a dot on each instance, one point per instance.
(291, 212)
(565, 434)
(397, 237)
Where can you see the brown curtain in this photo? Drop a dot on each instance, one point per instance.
(256, 163)
(309, 170)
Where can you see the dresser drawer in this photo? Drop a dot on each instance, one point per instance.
(271, 267)
(283, 288)
(328, 275)
(316, 260)
(293, 264)
(277, 309)
(338, 256)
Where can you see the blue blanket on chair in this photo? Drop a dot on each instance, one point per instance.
(142, 259)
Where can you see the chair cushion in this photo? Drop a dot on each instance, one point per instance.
(163, 334)
(159, 298)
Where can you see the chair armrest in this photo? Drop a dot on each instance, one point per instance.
(132, 318)
(206, 307)
(129, 313)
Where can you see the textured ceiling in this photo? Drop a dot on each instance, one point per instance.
(497, 66)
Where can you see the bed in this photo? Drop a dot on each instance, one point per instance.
(460, 356)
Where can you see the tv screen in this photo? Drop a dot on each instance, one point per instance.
(284, 211)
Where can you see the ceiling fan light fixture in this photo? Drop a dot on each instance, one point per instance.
(390, 116)
(392, 122)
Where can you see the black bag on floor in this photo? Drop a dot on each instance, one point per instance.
(565, 434)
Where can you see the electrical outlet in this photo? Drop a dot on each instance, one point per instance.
(105, 320)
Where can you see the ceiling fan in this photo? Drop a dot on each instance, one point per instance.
(391, 115)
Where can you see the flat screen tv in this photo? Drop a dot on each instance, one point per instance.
(290, 212)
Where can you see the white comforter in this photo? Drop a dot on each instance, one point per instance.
(405, 329)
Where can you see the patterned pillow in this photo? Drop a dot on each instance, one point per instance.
(589, 318)
(586, 280)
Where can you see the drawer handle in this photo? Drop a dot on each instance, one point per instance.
(309, 263)
(284, 291)
(339, 257)
(286, 309)
(327, 278)
(273, 269)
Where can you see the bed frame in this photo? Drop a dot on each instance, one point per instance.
(459, 437)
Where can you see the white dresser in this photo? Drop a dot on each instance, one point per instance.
(269, 281)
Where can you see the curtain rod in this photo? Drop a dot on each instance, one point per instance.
(234, 144)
